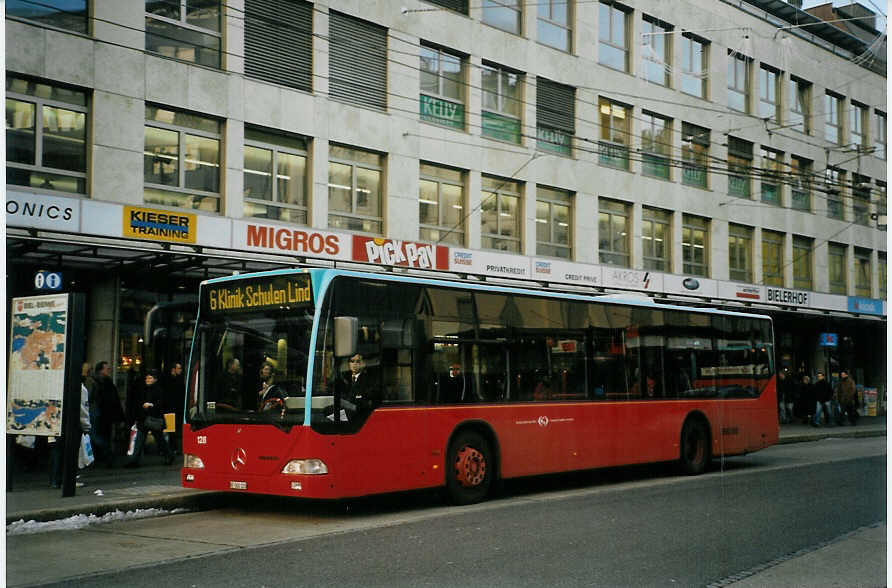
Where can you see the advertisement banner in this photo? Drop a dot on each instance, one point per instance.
(865, 305)
(742, 292)
(255, 236)
(394, 252)
(41, 211)
(489, 263)
(870, 401)
(690, 285)
(36, 365)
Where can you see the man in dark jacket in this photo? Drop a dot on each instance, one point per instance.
(148, 405)
(107, 413)
(847, 396)
(822, 393)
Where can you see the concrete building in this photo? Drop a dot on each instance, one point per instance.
(712, 152)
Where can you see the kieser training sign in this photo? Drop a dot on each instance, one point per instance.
(159, 225)
(36, 365)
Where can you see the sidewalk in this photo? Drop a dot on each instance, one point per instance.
(155, 485)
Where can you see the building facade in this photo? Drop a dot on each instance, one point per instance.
(709, 153)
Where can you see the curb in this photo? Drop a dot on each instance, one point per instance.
(849, 434)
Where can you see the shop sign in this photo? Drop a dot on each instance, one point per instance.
(394, 252)
(489, 263)
(40, 211)
(827, 340)
(865, 305)
(442, 112)
(36, 365)
(44, 280)
(690, 285)
(501, 127)
(737, 291)
(787, 297)
(616, 277)
(553, 140)
(553, 270)
(159, 225)
(253, 236)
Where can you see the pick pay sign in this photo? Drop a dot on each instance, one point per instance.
(400, 253)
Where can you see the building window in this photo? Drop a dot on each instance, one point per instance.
(694, 155)
(861, 199)
(862, 272)
(355, 189)
(555, 24)
(857, 120)
(802, 263)
(441, 199)
(881, 274)
(656, 145)
(836, 267)
(694, 65)
(442, 99)
(502, 106)
(879, 138)
(656, 236)
(881, 200)
(769, 90)
(740, 163)
(613, 233)
(738, 81)
(800, 105)
(503, 14)
(555, 116)
(279, 42)
(500, 215)
(182, 159)
(357, 61)
(800, 182)
(832, 119)
(613, 37)
(772, 162)
(772, 258)
(275, 176)
(46, 136)
(740, 253)
(695, 245)
(460, 6)
(553, 221)
(833, 180)
(613, 148)
(188, 30)
(656, 50)
(71, 15)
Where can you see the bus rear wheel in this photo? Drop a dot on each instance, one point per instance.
(695, 447)
(469, 468)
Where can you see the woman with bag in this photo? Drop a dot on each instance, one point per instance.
(148, 411)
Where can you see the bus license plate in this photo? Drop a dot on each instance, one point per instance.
(238, 485)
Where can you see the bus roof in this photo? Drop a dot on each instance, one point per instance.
(624, 298)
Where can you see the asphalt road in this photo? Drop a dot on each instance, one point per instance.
(641, 526)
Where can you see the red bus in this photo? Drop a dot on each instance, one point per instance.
(332, 383)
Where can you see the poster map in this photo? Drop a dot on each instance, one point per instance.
(36, 365)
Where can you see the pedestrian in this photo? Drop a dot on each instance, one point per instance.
(847, 396)
(805, 401)
(57, 443)
(823, 394)
(149, 418)
(174, 386)
(107, 413)
(784, 397)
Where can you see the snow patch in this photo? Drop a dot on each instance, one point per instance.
(79, 521)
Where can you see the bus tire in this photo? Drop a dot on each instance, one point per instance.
(695, 446)
(469, 468)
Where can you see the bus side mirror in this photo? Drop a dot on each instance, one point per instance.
(346, 335)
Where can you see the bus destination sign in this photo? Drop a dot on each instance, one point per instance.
(259, 294)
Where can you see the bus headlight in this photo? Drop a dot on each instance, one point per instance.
(305, 466)
(192, 461)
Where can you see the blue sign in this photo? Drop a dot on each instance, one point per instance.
(865, 305)
(44, 280)
(827, 339)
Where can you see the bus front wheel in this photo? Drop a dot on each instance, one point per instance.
(695, 446)
(469, 468)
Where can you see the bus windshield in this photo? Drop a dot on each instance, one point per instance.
(250, 368)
